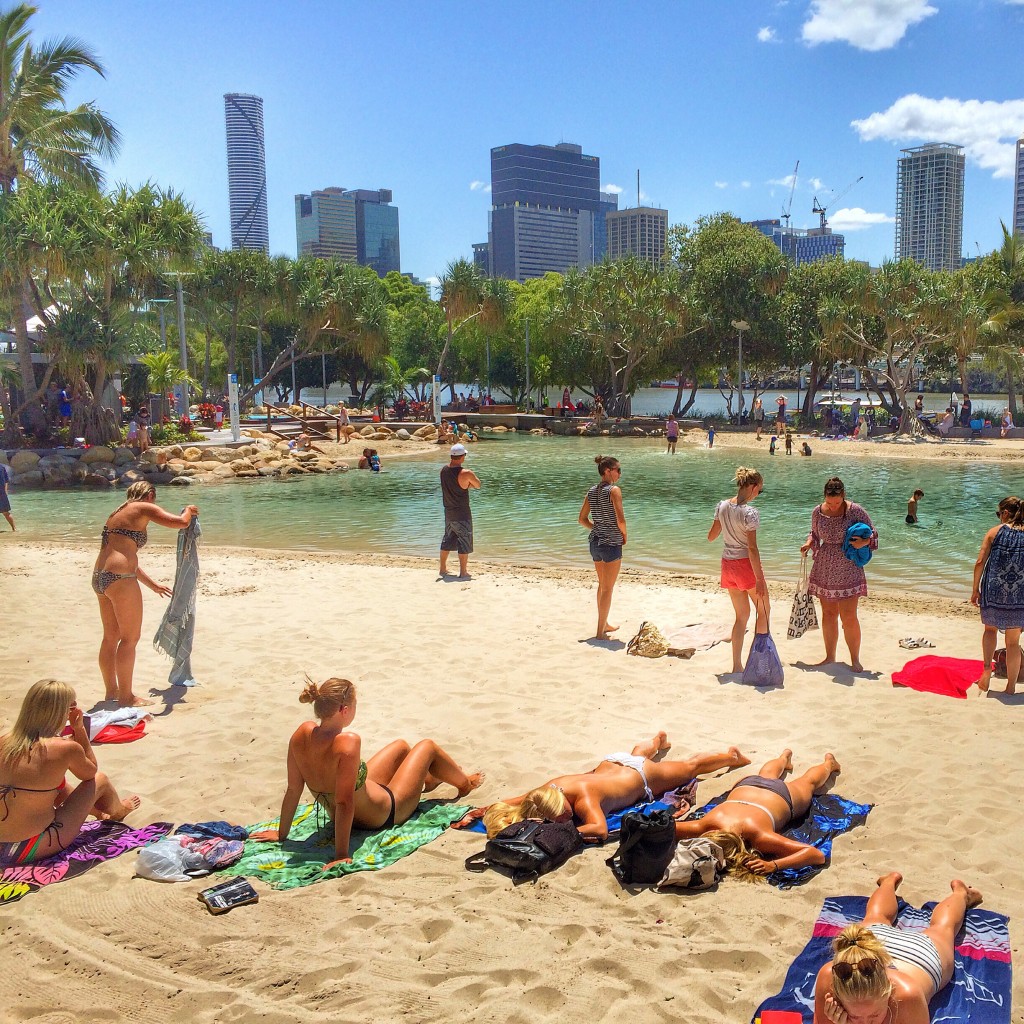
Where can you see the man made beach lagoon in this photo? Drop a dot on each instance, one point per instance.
(532, 491)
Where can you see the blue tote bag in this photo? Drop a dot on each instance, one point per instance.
(764, 666)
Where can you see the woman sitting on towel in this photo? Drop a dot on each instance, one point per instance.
(748, 824)
(881, 974)
(39, 813)
(373, 794)
(619, 781)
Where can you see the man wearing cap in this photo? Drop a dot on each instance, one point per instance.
(456, 482)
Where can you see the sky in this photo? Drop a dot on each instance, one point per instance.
(713, 101)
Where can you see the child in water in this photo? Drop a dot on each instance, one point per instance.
(805, 449)
(789, 442)
(772, 443)
(912, 507)
(711, 436)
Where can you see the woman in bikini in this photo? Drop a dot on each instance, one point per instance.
(115, 579)
(39, 813)
(748, 824)
(881, 974)
(373, 794)
(619, 781)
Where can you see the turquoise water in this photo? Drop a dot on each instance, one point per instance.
(533, 489)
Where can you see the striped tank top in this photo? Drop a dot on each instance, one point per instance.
(602, 513)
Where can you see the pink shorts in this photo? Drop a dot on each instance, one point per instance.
(738, 574)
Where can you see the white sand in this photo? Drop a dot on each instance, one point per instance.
(492, 669)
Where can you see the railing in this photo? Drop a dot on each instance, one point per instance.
(312, 425)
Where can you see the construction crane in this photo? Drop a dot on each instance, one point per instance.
(820, 210)
(789, 205)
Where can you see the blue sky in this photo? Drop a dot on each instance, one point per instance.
(713, 100)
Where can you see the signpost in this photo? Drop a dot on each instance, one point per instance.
(436, 396)
(233, 405)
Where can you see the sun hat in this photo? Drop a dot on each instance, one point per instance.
(459, 450)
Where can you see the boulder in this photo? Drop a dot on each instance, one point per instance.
(246, 474)
(130, 476)
(205, 478)
(182, 481)
(158, 479)
(57, 476)
(55, 461)
(402, 434)
(23, 462)
(219, 454)
(192, 454)
(224, 472)
(266, 471)
(174, 451)
(97, 480)
(500, 429)
(423, 431)
(290, 469)
(101, 453)
(30, 478)
(123, 456)
(103, 469)
(150, 455)
(368, 431)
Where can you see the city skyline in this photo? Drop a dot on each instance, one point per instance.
(715, 113)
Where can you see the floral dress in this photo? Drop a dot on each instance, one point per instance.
(834, 577)
(1002, 581)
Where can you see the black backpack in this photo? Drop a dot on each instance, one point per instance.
(528, 848)
(647, 840)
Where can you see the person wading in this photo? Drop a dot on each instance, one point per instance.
(456, 482)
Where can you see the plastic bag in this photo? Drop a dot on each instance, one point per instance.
(163, 861)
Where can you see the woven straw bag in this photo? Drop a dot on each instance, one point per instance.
(649, 642)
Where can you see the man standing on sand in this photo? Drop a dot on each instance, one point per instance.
(456, 482)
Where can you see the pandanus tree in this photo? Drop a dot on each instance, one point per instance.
(43, 140)
(1002, 335)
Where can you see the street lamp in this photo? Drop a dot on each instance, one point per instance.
(163, 323)
(741, 326)
(178, 275)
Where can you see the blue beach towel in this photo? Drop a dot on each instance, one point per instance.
(614, 819)
(828, 816)
(860, 556)
(979, 992)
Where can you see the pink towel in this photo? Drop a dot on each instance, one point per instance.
(948, 677)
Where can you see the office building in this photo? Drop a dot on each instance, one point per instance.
(802, 245)
(930, 205)
(482, 257)
(353, 225)
(641, 231)
(546, 200)
(1018, 190)
(247, 171)
(609, 204)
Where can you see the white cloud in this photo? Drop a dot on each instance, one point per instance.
(857, 219)
(744, 184)
(786, 182)
(985, 128)
(767, 35)
(614, 189)
(865, 24)
(721, 184)
(815, 184)
(479, 186)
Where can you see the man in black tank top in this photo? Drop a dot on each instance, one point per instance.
(456, 482)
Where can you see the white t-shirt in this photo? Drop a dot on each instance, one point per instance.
(737, 521)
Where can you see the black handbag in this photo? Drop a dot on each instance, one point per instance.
(528, 848)
(647, 841)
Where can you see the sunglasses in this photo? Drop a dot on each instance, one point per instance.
(867, 966)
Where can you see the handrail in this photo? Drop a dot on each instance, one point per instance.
(285, 414)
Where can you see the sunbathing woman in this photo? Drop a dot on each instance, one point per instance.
(748, 823)
(881, 973)
(378, 793)
(39, 813)
(116, 578)
(619, 781)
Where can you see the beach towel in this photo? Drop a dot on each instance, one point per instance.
(859, 556)
(177, 628)
(120, 733)
(614, 819)
(931, 673)
(300, 860)
(98, 841)
(213, 830)
(980, 989)
(828, 816)
(701, 636)
(118, 725)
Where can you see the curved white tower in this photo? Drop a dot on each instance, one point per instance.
(247, 171)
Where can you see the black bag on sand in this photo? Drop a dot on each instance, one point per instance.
(528, 848)
(647, 841)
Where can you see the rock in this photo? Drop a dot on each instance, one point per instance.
(224, 472)
(176, 465)
(24, 462)
(246, 473)
(123, 456)
(192, 454)
(368, 431)
(219, 455)
(158, 479)
(500, 429)
(30, 478)
(423, 431)
(402, 434)
(53, 461)
(56, 476)
(101, 453)
(103, 469)
(206, 478)
(290, 470)
(174, 451)
(130, 476)
(182, 481)
(266, 471)
(149, 456)
(538, 431)
(97, 480)
(381, 435)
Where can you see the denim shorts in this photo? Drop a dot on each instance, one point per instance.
(604, 552)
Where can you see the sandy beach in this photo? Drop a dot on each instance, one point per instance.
(492, 668)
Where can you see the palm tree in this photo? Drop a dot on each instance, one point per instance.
(1003, 331)
(164, 375)
(395, 382)
(41, 139)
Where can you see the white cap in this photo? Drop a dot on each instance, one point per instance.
(459, 450)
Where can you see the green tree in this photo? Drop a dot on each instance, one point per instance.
(164, 374)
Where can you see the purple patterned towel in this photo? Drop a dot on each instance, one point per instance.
(98, 841)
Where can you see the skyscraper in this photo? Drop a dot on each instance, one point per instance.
(1018, 190)
(930, 205)
(802, 245)
(545, 202)
(247, 171)
(352, 225)
(642, 231)
(609, 204)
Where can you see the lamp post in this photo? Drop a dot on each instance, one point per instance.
(741, 326)
(183, 348)
(163, 323)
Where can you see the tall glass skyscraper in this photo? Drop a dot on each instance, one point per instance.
(247, 171)
(1018, 190)
(353, 225)
(930, 205)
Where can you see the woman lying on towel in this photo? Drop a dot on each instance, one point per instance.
(881, 973)
(39, 813)
(749, 822)
(373, 794)
(619, 781)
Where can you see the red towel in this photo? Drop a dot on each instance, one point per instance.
(121, 733)
(948, 677)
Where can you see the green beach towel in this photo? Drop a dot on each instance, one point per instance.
(300, 860)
